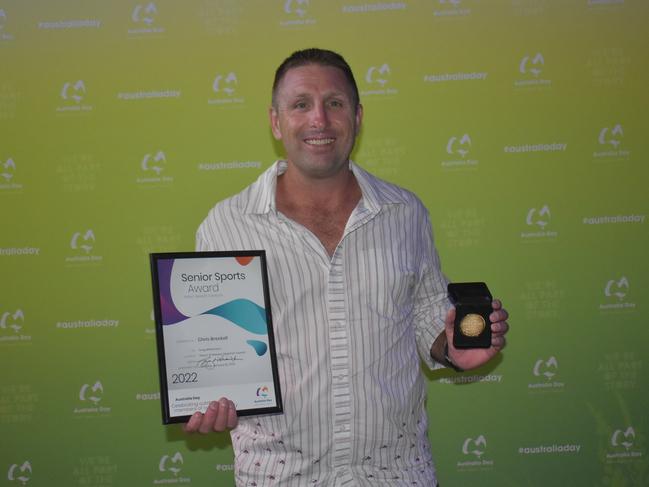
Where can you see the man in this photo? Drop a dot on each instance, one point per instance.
(356, 289)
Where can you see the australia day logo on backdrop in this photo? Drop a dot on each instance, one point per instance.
(90, 395)
(153, 169)
(622, 446)
(474, 450)
(611, 144)
(150, 330)
(171, 466)
(616, 295)
(378, 82)
(451, 8)
(530, 70)
(538, 221)
(8, 175)
(82, 247)
(225, 89)
(73, 95)
(545, 371)
(20, 474)
(458, 150)
(296, 13)
(144, 20)
(4, 35)
(12, 324)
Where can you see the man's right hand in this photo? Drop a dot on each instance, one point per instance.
(221, 415)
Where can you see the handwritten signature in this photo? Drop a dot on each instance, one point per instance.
(211, 363)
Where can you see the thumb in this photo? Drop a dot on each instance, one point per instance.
(450, 325)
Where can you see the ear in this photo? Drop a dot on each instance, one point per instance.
(359, 118)
(274, 123)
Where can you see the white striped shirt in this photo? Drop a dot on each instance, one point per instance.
(347, 330)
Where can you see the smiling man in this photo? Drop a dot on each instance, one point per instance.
(357, 296)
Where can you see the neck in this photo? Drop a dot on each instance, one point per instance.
(322, 205)
(296, 188)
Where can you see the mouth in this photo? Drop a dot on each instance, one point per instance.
(319, 141)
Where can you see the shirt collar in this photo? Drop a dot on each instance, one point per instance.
(375, 192)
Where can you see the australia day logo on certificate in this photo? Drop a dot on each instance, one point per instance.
(217, 337)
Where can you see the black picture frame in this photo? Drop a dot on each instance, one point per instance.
(157, 268)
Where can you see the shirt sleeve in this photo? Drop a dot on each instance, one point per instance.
(431, 299)
(207, 239)
(202, 245)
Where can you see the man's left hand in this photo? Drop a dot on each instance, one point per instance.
(472, 358)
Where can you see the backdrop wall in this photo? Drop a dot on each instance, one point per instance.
(521, 124)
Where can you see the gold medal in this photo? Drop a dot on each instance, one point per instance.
(472, 325)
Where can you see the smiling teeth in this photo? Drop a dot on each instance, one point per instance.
(319, 141)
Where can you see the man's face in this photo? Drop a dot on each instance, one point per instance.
(315, 119)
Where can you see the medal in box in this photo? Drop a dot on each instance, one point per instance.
(472, 302)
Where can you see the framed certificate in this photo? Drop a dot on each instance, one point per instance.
(214, 332)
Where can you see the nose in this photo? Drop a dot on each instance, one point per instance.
(319, 117)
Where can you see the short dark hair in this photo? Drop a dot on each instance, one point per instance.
(323, 57)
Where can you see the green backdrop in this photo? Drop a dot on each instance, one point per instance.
(521, 124)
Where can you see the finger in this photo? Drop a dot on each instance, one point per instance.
(450, 319)
(194, 422)
(496, 304)
(498, 342)
(232, 420)
(499, 315)
(499, 328)
(209, 417)
(222, 417)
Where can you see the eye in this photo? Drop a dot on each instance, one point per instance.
(300, 105)
(336, 103)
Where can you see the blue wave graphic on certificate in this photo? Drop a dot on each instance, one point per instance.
(260, 347)
(243, 313)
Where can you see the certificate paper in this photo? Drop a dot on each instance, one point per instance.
(214, 333)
